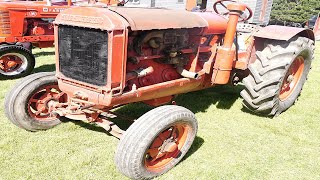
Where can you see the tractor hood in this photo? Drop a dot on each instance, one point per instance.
(114, 18)
(159, 18)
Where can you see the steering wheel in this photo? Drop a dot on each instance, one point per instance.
(243, 16)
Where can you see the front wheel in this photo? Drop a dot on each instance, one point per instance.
(27, 104)
(277, 76)
(15, 61)
(156, 142)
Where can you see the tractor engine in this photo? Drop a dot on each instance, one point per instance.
(158, 53)
(126, 52)
(37, 26)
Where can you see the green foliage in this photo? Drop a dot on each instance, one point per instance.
(298, 11)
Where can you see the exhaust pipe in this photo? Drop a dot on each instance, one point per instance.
(190, 4)
(49, 2)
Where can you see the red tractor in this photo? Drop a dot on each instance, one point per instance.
(107, 57)
(26, 24)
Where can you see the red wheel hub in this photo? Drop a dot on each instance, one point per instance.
(292, 78)
(9, 63)
(38, 105)
(166, 146)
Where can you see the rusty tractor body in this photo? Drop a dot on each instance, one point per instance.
(107, 57)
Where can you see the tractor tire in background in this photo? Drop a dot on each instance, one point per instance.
(26, 103)
(15, 61)
(156, 142)
(277, 76)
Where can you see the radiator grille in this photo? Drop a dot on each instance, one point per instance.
(5, 23)
(83, 54)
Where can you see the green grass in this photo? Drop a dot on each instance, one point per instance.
(231, 143)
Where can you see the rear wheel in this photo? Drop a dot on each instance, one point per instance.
(15, 61)
(277, 76)
(27, 104)
(156, 142)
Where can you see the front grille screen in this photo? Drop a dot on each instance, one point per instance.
(83, 54)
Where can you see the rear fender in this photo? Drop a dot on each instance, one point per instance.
(274, 32)
(283, 32)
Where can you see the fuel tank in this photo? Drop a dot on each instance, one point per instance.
(216, 24)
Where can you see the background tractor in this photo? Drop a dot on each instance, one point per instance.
(24, 25)
(107, 57)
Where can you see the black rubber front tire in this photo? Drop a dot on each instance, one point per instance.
(131, 152)
(267, 75)
(16, 102)
(23, 53)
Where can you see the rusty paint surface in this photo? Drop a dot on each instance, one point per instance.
(91, 17)
(165, 81)
(217, 24)
(158, 18)
(282, 32)
(263, 10)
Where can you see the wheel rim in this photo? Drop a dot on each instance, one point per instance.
(13, 64)
(166, 147)
(39, 104)
(292, 78)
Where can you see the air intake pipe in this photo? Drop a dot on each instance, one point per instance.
(185, 73)
(139, 73)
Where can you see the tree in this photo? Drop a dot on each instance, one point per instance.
(297, 11)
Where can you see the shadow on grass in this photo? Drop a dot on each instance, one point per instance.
(223, 97)
(245, 110)
(197, 143)
(45, 68)
(86, 125)
(43, 53)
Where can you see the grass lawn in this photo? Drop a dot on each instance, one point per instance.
(231, 143)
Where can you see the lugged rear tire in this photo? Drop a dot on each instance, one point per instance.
(170, 127)
(277, 76)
